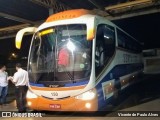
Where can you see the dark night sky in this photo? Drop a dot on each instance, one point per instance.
(7, 46)
(144, 28)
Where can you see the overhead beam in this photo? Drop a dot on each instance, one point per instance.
(15, 18)
(10, 32)
(96, 4)
(133, 14)
(100, 12)
(11, 36)
(56, 5)
(44, 3)
(15, 27)
(128, 4)
(8, 36)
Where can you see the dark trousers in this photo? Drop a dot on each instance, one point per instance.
(3, 94)
(20, 92)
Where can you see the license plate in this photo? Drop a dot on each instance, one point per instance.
(55, 106)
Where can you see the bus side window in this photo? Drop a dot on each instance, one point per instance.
(105, 46)
(109, 41)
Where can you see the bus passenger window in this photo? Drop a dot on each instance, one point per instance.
(105, 46)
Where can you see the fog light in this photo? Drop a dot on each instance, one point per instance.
(88, 105)
(29, 103)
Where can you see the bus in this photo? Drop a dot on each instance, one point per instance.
(79, 61)
(151, 58)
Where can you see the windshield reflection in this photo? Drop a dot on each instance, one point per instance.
(60, 54)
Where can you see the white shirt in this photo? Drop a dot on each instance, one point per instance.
(21, 78)
(3, 78)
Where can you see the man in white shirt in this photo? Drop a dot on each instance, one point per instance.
(20, 79)
(3, 84)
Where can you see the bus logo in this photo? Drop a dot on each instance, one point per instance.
(53, 86)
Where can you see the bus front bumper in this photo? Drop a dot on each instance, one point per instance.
(67, 104)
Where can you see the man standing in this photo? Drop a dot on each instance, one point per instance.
(3, 84)
(20, 79)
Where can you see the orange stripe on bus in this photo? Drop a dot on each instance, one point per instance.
(68, 15)
(57, 89)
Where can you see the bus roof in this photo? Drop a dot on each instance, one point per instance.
(69, 14)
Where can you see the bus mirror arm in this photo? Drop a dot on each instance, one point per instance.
(90, 34)
(21, 33)
(90, 31)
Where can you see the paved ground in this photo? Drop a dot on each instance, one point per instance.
(146, 98)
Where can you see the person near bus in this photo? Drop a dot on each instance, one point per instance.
(63, 58)
(3, 84)
(20, 79)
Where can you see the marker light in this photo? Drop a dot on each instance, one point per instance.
(31, 94)
(46, 32)
(89, 95)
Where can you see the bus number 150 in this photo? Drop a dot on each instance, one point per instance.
(54, 94)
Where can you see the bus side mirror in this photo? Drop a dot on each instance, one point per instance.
(21, 33)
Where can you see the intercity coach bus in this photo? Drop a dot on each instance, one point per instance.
(79, 61)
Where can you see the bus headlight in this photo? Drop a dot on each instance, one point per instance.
(31, 94)
(89, 95)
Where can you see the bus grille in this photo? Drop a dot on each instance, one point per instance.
(56, 98)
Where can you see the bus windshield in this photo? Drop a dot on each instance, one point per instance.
(60, 54)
